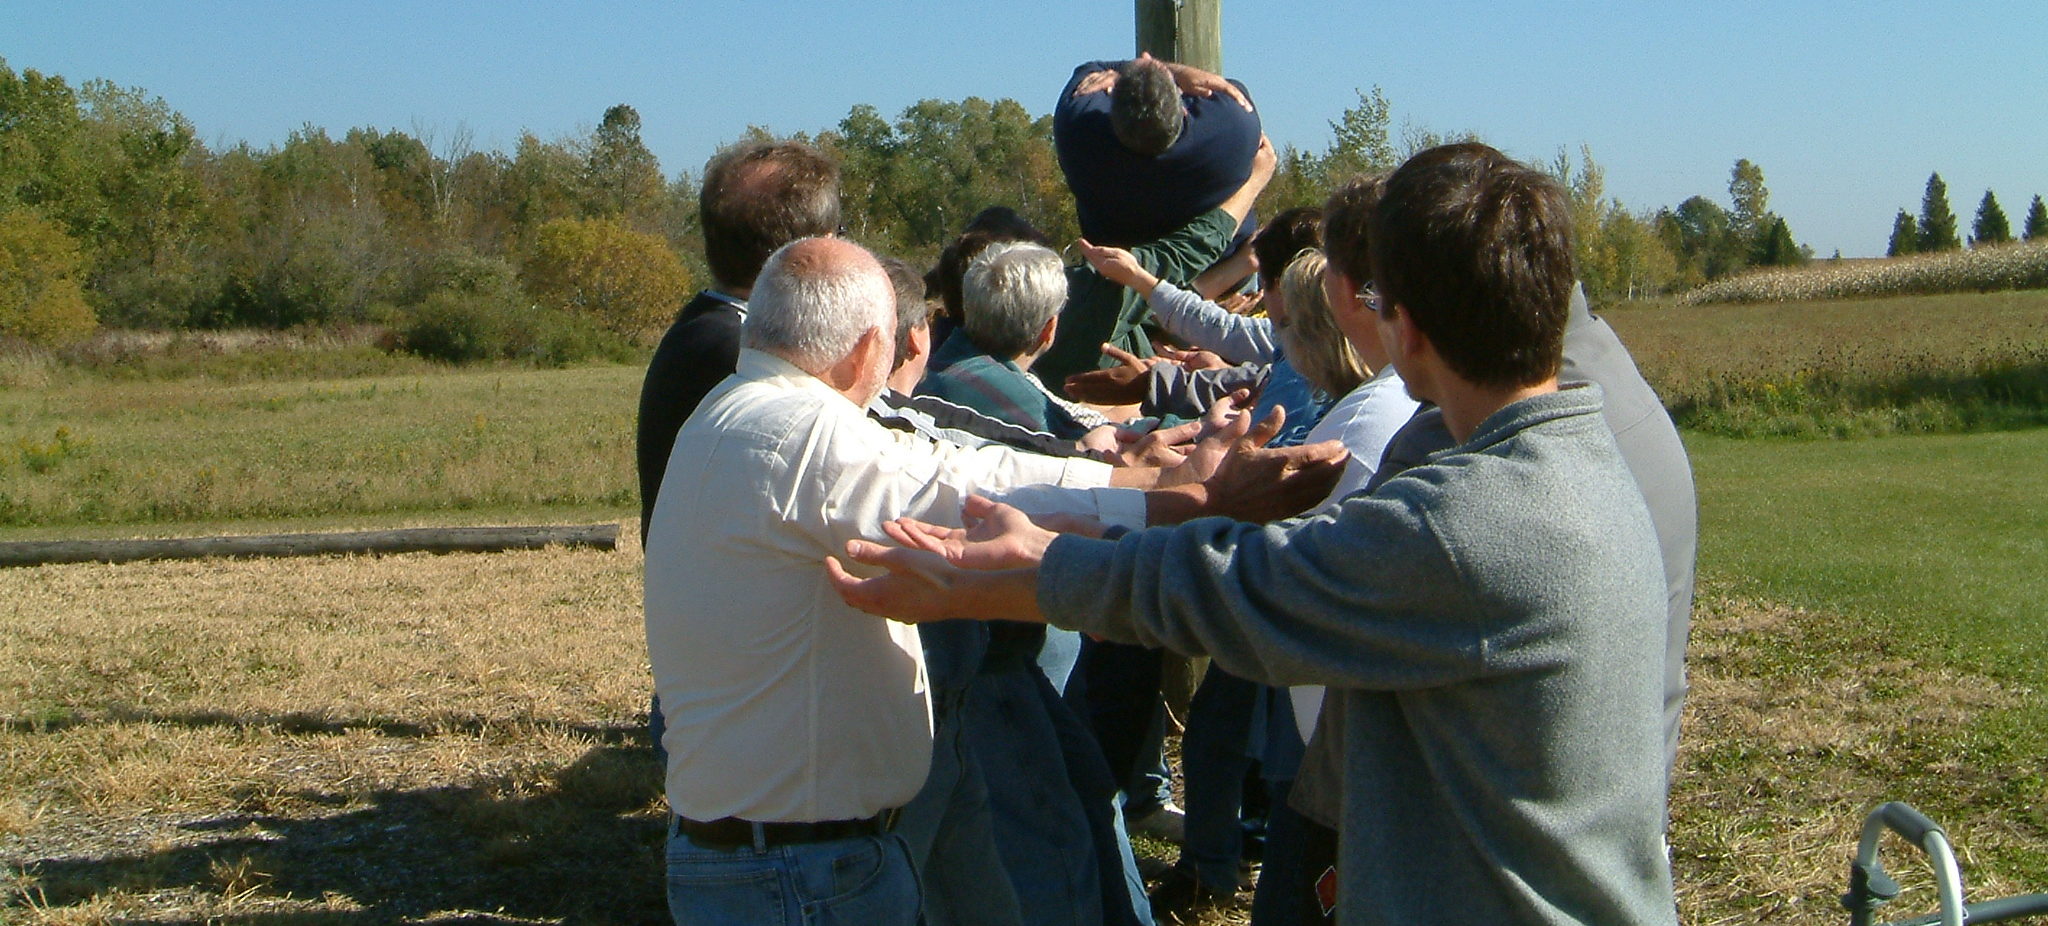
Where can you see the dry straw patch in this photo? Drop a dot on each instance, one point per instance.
(377, 738)
(421, 739)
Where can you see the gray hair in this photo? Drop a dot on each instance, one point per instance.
(1008, 293)
(813, 301)
(912, 311)
(1144, 107)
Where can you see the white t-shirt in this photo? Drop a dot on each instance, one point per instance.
(1365, 419)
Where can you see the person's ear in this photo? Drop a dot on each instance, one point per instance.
(920, 342)
(1047, 333)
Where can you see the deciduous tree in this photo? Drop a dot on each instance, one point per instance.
(621, 177)
(1749, 201)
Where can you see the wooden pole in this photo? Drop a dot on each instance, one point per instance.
(414, 540)
(1189, 32)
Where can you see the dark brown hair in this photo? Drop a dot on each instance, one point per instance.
(1477, 248)
(1284, 236)
(1346, 217)
(759, 196)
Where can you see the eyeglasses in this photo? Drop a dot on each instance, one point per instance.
(1370, 298)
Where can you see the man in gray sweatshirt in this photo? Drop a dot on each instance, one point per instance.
(1489, 622)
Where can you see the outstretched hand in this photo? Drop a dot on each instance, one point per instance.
(1193, 360)
(1123, 384)
(986, 570)
(1257, 483)
(1096, 82)
(1118, 266)
(917, 587)
(996, 536)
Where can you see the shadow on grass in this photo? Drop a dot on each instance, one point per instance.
(581, 848)
(1831, 403)
(301, 722)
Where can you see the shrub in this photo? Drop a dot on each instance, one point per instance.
(629, 282)
(462, 271)
(458, 328)
(40, 299)
(1988, 269)
(465, 328)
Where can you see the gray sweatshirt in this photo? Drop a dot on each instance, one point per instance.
(1490, 624)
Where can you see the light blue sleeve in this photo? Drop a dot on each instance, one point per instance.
(1204, 324)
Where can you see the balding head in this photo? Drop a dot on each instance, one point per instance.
(759, 196)
(814, 300)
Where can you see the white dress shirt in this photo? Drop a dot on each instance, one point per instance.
(783, 703)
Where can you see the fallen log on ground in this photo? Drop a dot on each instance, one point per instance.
(410, 540)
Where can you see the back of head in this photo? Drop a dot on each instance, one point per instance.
(814, 299)
(912, 311)
(1144, 107)
(1314, 344)
(1347, 215)
(1284, 236)
(759, 196)
(1477, 248)
(945, 278)
(1010, 291)
(1007, 224)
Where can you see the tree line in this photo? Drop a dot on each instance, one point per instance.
(114, 213)
(1935, 229)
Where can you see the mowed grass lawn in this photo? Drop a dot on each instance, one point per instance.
(143, 455)
(453, 739)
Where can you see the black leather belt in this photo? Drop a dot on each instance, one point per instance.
(735, 833)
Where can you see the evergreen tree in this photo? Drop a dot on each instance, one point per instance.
(1991, 226)
(1938, 230)
(1776, 248)
(2037, 219)
(1905, 235)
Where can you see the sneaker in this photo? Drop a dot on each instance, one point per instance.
(1181, 897)
(1166, 822)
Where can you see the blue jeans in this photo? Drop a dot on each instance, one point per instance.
(844, 882)
(950, 832)
(1116, 689)
(1231, 721)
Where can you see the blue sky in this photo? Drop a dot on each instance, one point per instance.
(1848, 107)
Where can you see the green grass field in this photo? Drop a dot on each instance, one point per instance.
(1847, 368)
(143, 453)
(1913, 567)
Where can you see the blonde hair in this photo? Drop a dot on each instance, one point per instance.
(1313, 344)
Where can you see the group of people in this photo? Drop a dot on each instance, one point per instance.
(1428, 523)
